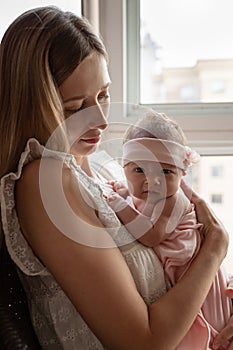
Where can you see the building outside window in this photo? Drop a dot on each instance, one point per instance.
(216, 198)
(217, 171)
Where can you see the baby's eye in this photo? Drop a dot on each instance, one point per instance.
(167, 171)
(139, 170)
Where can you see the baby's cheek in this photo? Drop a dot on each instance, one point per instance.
(130, 187)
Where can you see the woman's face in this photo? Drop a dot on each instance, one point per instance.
(86, 100)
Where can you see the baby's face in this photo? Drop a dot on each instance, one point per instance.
(152, 180)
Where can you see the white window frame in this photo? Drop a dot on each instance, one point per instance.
(208, 126)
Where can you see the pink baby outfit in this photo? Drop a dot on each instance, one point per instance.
(176, 253)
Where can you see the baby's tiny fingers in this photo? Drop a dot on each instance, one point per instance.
(224, 337)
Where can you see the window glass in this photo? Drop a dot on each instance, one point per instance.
(12, 8)
(216, 198)
(217, 171)
(212, 178)
(185, 51)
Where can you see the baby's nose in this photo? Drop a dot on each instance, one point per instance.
(154, 179)
(157, 180)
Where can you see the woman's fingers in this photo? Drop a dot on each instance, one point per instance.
(212, 226)
(187, 190)
(204, 212)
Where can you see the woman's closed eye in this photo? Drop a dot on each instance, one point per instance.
(69, 110)
(103, 97)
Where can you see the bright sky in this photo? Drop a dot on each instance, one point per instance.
(191, 29)
(10, 9)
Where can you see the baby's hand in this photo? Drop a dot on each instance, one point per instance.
(120, 188)
(116, 202)
(107, 189)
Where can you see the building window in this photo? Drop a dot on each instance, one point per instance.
(216, 198)
(187, 93)
(217, 171)
(218, 86)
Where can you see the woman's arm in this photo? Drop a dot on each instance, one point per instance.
(97, 280)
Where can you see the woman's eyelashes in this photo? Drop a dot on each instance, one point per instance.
(74, 108)
(69, 110)
(104, 97)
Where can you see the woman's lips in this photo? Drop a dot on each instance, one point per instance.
(92, 140)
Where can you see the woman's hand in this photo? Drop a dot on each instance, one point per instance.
(213, 230)
(224, 340)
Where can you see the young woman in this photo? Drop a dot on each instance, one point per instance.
(80, 290)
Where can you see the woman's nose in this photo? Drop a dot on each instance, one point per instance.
(99, 119)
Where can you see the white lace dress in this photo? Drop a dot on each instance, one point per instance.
(57, 323)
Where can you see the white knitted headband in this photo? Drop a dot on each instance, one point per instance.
(158, 150)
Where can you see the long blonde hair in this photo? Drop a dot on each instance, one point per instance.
(40, 49)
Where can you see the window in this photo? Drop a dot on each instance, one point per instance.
(218, 86)
(212, 178)
(177, 45)
(187, 93)
(181, 66)
(217, 171)
(216, 198)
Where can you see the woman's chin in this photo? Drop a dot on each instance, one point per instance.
(84, 150)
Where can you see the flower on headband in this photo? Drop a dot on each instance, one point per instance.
(191, 157)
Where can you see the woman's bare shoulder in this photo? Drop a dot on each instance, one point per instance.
(40, 174)
(48, 189)
(40, 183)
(32, 171)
